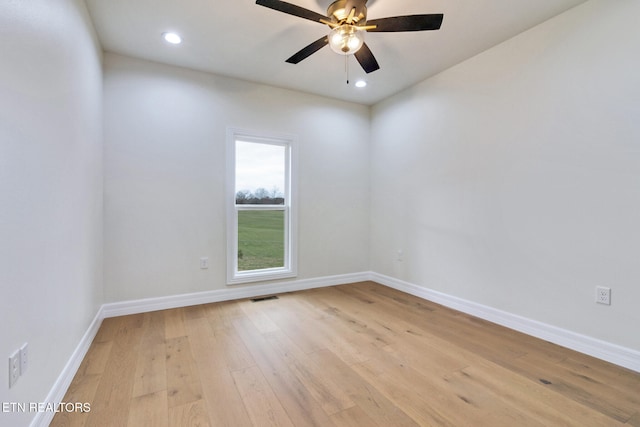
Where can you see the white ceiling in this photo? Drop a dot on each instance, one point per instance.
(240, 39)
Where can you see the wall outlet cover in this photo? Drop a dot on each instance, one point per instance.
(603, 295)
(14, 368)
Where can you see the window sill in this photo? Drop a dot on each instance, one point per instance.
(260, 276)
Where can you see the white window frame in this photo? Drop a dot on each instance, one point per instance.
(290, 207)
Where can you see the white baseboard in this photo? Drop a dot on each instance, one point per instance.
(227, 294)
(613, 353)
(60, 387)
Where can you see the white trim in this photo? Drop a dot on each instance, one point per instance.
(227, 294)
(290, 268)
(60, 387)
(613, 353)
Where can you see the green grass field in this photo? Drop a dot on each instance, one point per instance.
(260, 239)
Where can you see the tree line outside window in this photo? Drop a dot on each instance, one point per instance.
(261, 196)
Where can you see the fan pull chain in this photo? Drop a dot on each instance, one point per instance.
(346, 67)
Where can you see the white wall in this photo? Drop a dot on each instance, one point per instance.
(165, 130)
(50, 189)
(513, 179)
(510, 180)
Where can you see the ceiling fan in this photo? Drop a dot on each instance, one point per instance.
(348, 22)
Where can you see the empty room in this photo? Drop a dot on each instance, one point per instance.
(348, 213)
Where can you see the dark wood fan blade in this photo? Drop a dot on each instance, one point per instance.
(407, 23)
(366, 59)
(292, 9)
(309, 50)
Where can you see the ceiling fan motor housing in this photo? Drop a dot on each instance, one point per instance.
(339, 11)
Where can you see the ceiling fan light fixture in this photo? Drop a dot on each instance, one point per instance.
(346, 39)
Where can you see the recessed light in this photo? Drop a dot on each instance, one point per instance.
(361, 83)
(172, 38)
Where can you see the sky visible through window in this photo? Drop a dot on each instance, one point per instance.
(260, 165)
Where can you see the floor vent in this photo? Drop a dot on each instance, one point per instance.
(263, 298)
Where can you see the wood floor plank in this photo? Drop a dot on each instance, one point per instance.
(223, 313)
(364, 394)
(149, 410)
(438, 319)
(634, 420)
(297, 324)
(195, 311)
(623, 380)
(192, 414)
(314, 330)
(535, 398)
(111, 403)
(109, 329)
(313, 376)
(300, 405)
(96, 358)
(404, 392)
(223, 401)
(262, 404)
(451, 326)
(415, 346)
(350, 313)
(440, 401)
(113, 327)
(151, 370)
(174, 323)
(232, 349)
(254, 312)
(586, 391)
(414, 342)
(353, 417)
(83, 390)
(489, 408)
(183, 379)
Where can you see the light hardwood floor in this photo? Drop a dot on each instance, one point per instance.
(353, 355)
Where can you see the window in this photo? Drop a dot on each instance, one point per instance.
(260, 215)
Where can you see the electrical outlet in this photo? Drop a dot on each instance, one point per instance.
(24, 358)
(14, 368)
(204, 262)
(603, 295)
